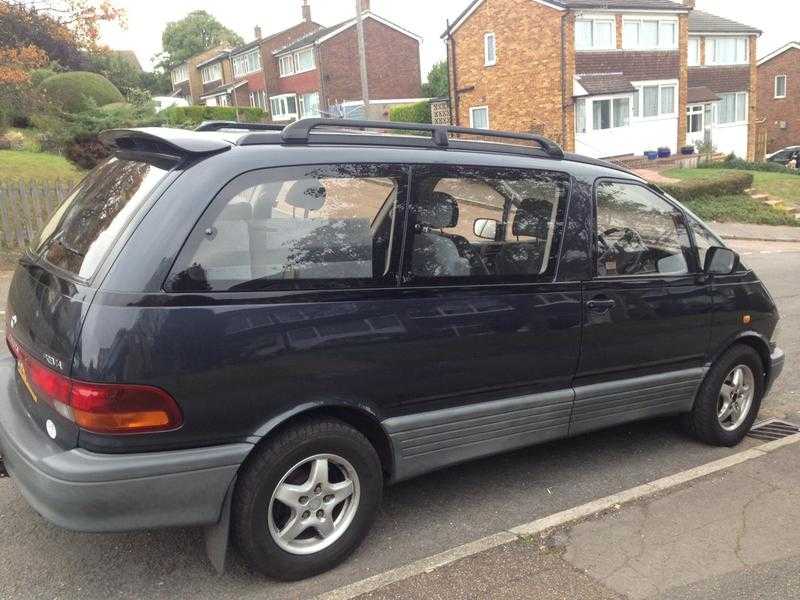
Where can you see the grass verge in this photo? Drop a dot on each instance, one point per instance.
(16, 165)
(783, 186)
(739, 209)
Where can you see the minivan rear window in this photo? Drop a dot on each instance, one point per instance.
(83, 229)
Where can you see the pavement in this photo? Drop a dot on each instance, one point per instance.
(435, 513)
(745, 231)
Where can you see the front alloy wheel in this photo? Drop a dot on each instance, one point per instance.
(736, 397)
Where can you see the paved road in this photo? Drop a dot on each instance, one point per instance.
(418, 518)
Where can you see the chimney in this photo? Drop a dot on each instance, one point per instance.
(364, 5)
(689, 4)
(258, 32)
(306, 12)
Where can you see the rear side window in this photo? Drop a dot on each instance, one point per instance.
(295, 228)
(82, 231)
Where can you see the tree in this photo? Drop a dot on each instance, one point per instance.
(438, 81)
(118, 69)
(196, 32)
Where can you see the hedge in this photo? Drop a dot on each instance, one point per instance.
(727, 184)
(190, 117)
(78, 91)
(732, 162)
(411, 113)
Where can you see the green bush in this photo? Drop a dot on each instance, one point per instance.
(411, 113)
(728, 184)
(733, 162)
(189, 117)
(78, 91)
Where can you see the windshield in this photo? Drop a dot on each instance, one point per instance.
(83, 229)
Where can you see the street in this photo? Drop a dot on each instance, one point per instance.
(419, 518)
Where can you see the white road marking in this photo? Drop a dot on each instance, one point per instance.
(431, 563)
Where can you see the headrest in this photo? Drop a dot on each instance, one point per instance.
(438, 211)
(306, 193)
(240, 211)
(532, 218)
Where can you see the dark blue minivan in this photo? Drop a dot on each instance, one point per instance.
(255, 329)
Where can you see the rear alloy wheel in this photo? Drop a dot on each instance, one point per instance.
(307, 498)
(729, 399)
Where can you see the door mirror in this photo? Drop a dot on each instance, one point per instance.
(720, 261)
(485, 229)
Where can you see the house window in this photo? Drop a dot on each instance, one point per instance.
(247, 63)
(611, 113)
(694, 52)
(622, 112)
(694, 119)
(727, 51)
(638, 34)
(732, 108)
(489, 50)
(636, 99)
(594, 34)
(304, 60)
(780, 86)
(211, 73)
(479, 117)
(309, 105)
(286, 64)
(580, 116)
(667, 100)
(656, 100)
(180, 74)
(284, 107)
(650, 101)
(258, 99)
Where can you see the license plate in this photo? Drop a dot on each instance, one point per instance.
(24, 376)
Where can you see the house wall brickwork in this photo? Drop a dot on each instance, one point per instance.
(636, 65)
(524, 89)
(752, 117)
(683, 76)
(276, 42)
(777, 111)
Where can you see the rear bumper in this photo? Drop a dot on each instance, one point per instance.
(86, 491)
(776, 361)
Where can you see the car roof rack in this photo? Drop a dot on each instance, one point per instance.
(300, 132)
(235, 125)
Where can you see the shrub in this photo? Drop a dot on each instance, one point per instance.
(727, 184)
(12, 140)
(78, 91)
(732, 162)
(411, 113)
(189, 117)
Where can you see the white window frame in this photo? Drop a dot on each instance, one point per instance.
(289, 64)
(212, 72)
(694, 110)
(711, 50)
(660, 22)
(595, 19)
(581, 116)
(180, 74)
(286, 65)
(591, 126)
(638, 111)
(472, 112)
(738, 97)
(487, 46)
(244, 64)
(301, 99)
(297, 68)
(694, 61)
(283, 104)
(785, 86)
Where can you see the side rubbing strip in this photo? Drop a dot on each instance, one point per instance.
(427, 441)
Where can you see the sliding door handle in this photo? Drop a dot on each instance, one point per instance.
(601, 305)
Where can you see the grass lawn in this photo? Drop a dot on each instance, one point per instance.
(739, 209)
(778, 185)
(18, 165)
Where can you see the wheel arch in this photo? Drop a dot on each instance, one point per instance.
(748, 338)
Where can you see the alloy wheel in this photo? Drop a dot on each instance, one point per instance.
(736, 397)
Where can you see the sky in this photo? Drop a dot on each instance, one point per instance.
(427, 18)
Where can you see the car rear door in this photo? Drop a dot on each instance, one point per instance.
(646, 313)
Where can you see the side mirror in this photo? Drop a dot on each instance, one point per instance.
(720, 261)
(485, 229)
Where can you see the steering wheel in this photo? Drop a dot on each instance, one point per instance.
(625, 246)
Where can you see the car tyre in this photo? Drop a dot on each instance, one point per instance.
(259, 516)
(737, 375)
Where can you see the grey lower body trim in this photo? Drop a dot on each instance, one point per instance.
(611, 403)
(426, 441)
(86, 491)
(776, 362)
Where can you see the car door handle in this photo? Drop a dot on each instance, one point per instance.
(601, 305)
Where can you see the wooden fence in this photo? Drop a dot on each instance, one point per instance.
(25, 207)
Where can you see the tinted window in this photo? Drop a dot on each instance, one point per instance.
(293, 228)
(83, 229)
(490, 224)
(703, 240)
(638, 233)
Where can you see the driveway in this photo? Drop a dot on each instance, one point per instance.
(418, 518)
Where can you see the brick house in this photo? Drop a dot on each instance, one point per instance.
(603, 77)
(779, 96)
(319, 73)
(186, 78)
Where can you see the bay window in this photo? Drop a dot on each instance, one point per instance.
(611, 113)
(595, 34)
(727, 51)
(283, 107)
(649, 34)
(309, 105)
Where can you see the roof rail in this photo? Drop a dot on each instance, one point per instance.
(299, 132)
(220, 125)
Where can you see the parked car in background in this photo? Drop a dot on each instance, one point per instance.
(262, 328)
(785, 156)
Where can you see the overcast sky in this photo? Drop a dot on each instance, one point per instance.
(146, 19)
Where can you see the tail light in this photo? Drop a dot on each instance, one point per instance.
(98, 407)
